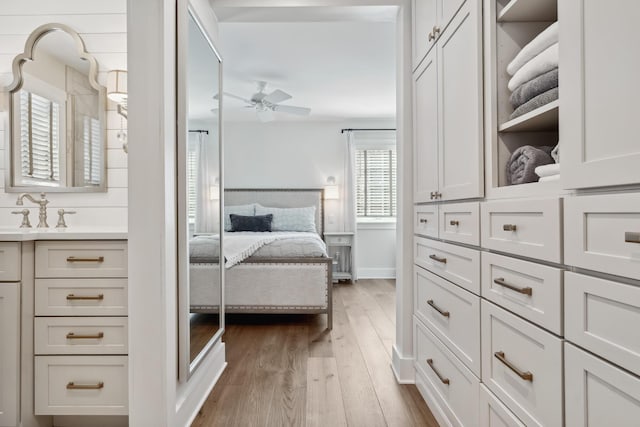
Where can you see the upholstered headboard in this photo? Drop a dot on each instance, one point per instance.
(280, 198)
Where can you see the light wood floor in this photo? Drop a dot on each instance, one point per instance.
(290, 371)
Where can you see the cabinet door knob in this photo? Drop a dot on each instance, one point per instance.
(436, 30)
(454, 223)
(423, 221)
(509, 227)
(431, 37)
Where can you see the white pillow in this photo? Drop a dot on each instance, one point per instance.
(245, 210)
(290, 219)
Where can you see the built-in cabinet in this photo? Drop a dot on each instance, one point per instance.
(9, 333)
(544, 276)
(449, 91)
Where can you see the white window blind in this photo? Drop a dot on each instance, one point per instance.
(39, 138)
(376, 183)
(192, 182)
(92, 155)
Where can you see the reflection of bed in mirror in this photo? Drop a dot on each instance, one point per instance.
(290, 272)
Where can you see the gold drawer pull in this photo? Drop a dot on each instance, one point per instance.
(72, 297)
(423, 221)
(437, 258)
(76, 259)
(500, 281)
(631, 237)
(438, 309)
(72, 336)
(527, 376)
(454, 223)
(444, 380)
(74, 386)
(509, 227)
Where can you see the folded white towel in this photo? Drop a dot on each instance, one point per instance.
(550, 178)
(542, 41)
(548, 170)
(545, 61)
(556, 153)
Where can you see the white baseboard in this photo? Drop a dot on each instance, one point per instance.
(376, 273)
(403, 368)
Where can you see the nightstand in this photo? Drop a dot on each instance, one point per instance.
(340, 248)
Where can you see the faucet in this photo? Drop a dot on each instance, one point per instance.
(42, 214)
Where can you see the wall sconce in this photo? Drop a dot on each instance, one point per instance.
(117, 92)
(331, 189)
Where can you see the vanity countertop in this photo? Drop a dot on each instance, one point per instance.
(9, 234)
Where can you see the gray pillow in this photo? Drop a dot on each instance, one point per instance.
(251, 223)
(291, 219)
(247, 210)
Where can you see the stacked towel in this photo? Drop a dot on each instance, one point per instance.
(537, 102)
(549, 172)
(545, 61)
(529, 90)
(542, 41)
(523, 162)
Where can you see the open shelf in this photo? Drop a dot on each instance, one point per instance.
(544, 118)
(529, 10)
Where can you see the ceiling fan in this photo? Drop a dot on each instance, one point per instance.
(266, 103)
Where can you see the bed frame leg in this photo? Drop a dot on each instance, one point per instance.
(329, 300)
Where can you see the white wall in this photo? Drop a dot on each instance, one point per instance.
(103, 27)
(298, 154)
(376, 251)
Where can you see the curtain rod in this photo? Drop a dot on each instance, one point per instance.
(350, 130)
(200, 131)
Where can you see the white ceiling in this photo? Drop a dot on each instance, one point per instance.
(340, 69)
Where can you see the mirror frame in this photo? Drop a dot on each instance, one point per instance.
(186, 367)
(18, 80)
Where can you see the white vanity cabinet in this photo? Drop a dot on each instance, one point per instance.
(599, 93)
(9, 333)
(448, 156)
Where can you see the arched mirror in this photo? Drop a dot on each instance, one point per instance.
(57, 113)
(199, 189)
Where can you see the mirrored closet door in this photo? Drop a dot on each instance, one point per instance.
(199, 195)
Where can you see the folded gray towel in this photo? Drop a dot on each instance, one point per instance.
(533, 88)
(537, 102)
(523, 162)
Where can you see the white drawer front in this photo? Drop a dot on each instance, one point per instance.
(10, 262)
(455, 263)
(81, 385)
(447, 377)
(597, 393)
(80, 335)
(451, 313)
(531, 290)
(602, 316)
(537, 400)
(81, 259)
(531, 228)
(338, 240)
(81, 297)
(460, 222)
(493, 413)
(425, 220)
(596, 231)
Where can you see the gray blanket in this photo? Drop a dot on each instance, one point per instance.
(533, 88)
(523, 162)
(537, 102)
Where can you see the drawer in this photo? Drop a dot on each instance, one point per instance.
(451, 313)
(81, 385)
(425, 220)
(338, 240)
(598, 316)
(493, 413)
(81, 297)
(531, 228)
(460, 222)
(603, 233)
(80, 335)
(597, 393)
(81, 259)
(531, 290)
(528, 379)
(447, 378)
(455, 263)
(10, 262)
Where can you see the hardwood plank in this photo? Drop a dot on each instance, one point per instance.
(324, 395)
(384, 292)
(383, 326)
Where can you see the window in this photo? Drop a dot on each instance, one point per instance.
(91, 138)
(192, 182)
(376, 182)
(39, 138)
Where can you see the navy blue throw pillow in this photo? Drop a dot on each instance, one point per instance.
(251, 223)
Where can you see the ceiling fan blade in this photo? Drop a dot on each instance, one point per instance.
(300, 111)
(265, 116)
(276, 96)
(230, 95)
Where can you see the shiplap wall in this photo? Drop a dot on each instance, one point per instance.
(103, 26)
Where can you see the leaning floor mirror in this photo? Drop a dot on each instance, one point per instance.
(200, 290)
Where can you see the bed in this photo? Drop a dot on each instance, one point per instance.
(290, 274)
